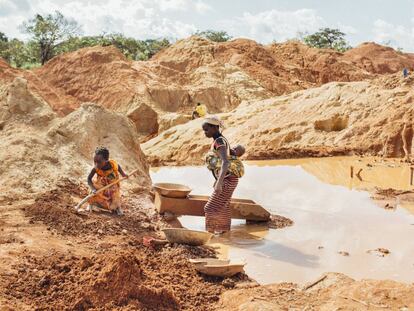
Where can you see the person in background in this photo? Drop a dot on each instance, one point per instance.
(405, 72)
(107, 171)
(200, 111)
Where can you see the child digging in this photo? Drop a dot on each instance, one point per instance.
(107, 171)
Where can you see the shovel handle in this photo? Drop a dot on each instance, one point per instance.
(103, 189)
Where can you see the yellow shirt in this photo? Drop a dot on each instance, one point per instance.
(201, 110)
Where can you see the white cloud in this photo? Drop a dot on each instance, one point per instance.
(9, 7)
(183, 5)
(12, 14)
(138, 18)
(202, 7)
(275, 25)
(347, 29)
(397, 36)
(175, 5)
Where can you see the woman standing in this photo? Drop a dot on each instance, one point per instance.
(217, 209)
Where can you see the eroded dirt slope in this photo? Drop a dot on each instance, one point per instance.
(334, 291)
(221, 75)
(338, 118)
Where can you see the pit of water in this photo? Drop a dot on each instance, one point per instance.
(332, 213)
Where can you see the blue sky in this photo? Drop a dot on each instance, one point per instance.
(262, 20)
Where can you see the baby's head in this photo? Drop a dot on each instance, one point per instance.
(239, 150)
(101, 157)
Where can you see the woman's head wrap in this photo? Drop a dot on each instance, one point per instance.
(214, 120)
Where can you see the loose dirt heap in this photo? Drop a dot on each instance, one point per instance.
(333, 291)
(100, 75)
(142, 90)
(7, 73)
(39, 87)
(134, 278)
(55, 259)
(55, 209)
(286, 67)
(337, 118)
(379, 59)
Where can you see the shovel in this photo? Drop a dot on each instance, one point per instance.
(103, 189)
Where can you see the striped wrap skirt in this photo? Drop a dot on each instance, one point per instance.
(217, 209)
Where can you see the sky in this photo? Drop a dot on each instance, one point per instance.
(382, 21)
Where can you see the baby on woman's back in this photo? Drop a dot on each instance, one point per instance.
(237, 151)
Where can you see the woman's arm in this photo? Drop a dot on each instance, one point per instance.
(222, 151)
(90, 182)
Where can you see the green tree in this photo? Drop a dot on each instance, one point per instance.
(49, 32)
(76, 43)
(3, 37)
(4, 43)
(213, 35)
(154, 46)
(327, 38)
(132, 48)
(17, 53)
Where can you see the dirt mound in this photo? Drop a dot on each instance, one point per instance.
(337, 118)
(315, 66)
(98, 74)
(145, 119)
(135, 277)
(221, 75)
(18, 102)
(7, 73)
(118, 282)
(332, 291)
(181, 76)
(91, 126)
(169, 120)
(53, 96)
(144, 90)
(55, 209)
(379, 59)
(38, 148)
(286, 67)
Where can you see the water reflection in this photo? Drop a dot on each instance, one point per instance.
(328, 218)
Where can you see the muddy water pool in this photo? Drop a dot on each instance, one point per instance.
(332, 213)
